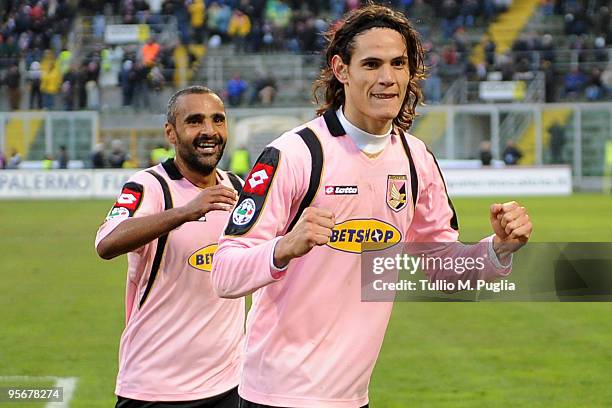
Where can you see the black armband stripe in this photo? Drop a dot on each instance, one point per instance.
(252, 199)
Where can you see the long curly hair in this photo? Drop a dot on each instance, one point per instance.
(341, 41)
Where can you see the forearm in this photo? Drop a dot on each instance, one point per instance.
(239, 270)
(282, 253)
(471, 262)
(503, 251)
(133, 233)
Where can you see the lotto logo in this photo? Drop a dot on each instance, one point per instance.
(126, 198)
(259, 179)
(129, 198)
(341, 190)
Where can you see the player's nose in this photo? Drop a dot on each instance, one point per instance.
(385, 75)
(207, 128)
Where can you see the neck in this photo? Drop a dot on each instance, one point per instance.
(196, 178)
(372, 126)
(370, 144)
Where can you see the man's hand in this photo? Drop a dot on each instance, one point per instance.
(512, 228)
(218, 197)
(314, 228)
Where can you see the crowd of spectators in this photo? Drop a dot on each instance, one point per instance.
(34, 36)
(575, 63)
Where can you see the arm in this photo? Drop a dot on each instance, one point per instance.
(244, 261)
(135, 232)
(433, 230)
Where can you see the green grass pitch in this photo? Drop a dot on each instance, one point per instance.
(61, 310)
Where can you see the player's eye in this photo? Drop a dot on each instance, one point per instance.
(193, 120)
(219, 118)
(370, 64)
(400, 63)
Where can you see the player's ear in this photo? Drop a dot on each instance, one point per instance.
(340, 69)
(170, 132)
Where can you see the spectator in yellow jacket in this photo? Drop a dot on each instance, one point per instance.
(239, 27)
(50, 84)
(197, 11)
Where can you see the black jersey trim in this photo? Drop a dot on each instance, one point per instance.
(414, 178)
(172, 170)
(333, 123)
(316, 153)
(161, 241)
(252, 199)
(454, 222)
(235, 181)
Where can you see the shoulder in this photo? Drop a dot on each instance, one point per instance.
(146, 178)
(424, 160)
(422, 156)
(291, 145)
(227, 178)
(148, 183)
(417, 146)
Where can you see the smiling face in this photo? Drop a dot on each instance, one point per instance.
(199, 133)
(376, 80)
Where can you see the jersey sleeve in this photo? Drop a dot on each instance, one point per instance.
(434, 217)
(272, 193)
(435, 221)
(140, 196)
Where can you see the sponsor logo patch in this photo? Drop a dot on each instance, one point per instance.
(127, 202)
(244, 212)
(397, 192)
(349, 235)
(202, 258)
(258, 179)
(341, 190)
(129, 198)
(118, 212)
(252, 200)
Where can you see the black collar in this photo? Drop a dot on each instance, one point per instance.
(175, 174)
(172, 170)
(333, 124)
(335, 127)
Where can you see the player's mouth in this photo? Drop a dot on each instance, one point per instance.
(206, 145)
(384, 96)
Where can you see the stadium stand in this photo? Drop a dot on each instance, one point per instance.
(123, 59)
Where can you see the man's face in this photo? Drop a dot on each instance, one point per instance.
(376, 80)
(200, 132)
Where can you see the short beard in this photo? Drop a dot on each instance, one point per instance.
(200, 166)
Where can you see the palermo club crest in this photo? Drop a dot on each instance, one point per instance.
(396, 192)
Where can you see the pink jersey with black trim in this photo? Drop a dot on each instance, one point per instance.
(184, 342)
(311, 341)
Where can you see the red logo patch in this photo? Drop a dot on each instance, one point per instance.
(258, 180)
(129, 199)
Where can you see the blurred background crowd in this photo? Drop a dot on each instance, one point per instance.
(59, 54)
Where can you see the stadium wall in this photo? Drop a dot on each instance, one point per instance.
(88, 184)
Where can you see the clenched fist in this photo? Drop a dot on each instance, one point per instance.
(314, 228)
(512, 227)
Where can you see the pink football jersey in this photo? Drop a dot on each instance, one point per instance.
(181, 341)
(311, 341)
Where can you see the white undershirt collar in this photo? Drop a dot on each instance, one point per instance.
(366, 142)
